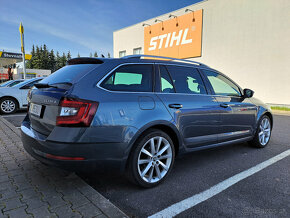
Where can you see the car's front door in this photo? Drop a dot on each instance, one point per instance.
(195, 113)
(238, 114)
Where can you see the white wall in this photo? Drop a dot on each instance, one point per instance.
(36, 72)
(249, 40)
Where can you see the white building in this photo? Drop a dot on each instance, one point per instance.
(30, 73)
(248, 40)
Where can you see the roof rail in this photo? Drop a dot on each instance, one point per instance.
(161, 57)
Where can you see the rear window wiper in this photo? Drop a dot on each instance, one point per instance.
(65, 83)
(44, 85)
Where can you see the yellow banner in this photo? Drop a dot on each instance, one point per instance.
(28, 56)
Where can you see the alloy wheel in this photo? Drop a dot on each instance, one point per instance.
(154, 159)
(8, 106)
(264, 131)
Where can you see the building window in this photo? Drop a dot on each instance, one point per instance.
(122, 53)
(137, 51)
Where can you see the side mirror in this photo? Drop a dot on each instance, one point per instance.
(248, 93)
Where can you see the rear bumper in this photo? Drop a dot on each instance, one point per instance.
(101, 157)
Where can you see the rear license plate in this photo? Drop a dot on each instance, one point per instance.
(35, 109)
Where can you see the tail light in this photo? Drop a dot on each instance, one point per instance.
(75, 112)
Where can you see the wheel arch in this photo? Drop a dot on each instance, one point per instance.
(165, 126)
(270, 116)
(16, 100)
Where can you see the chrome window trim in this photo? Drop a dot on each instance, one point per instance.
(111, 71)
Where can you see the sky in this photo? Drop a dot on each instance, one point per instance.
(78, 26)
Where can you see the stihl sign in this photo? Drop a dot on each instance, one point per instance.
(169, 39)
(179, 37)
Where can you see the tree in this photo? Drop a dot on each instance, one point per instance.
(109, 56)
(68, 55)
(45, 58)
(91, 55)
(95, 54)
(30, 62)
(37, 60)
(40, 61)
(58, 61)
(51, 61)
(63, 60)
(79, 55)
(42, 58)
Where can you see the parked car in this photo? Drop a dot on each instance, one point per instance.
(137, 114)
(15, 97)
(11, 83)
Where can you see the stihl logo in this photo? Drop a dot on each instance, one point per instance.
(169, 39)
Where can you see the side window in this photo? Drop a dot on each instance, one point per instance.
(12, 84)
(221, 85)
(122, 78)
(166, 82)
(186, 80)
(130, 78)
(29, 85)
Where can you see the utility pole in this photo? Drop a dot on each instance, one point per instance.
(21, 30)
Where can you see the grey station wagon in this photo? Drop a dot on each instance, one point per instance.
(136, 114)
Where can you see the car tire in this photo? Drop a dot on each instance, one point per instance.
(151, 159)
(263, 133)
(8, 105)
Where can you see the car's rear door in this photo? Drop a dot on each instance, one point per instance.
(184, 94)
(24, 91)
(238, 114)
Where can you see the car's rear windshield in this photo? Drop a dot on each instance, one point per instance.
(69, 74)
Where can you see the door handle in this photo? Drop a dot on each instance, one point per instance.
(224, 105)
(175, 106)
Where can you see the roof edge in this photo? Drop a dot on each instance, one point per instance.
(202, 1)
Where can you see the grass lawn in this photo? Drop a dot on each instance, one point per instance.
(280, 108)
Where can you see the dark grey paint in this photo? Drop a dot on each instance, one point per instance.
(122, 117)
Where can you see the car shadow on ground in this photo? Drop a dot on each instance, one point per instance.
(189, 163)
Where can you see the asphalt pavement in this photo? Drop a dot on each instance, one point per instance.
(264, 194)
(16, 119)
